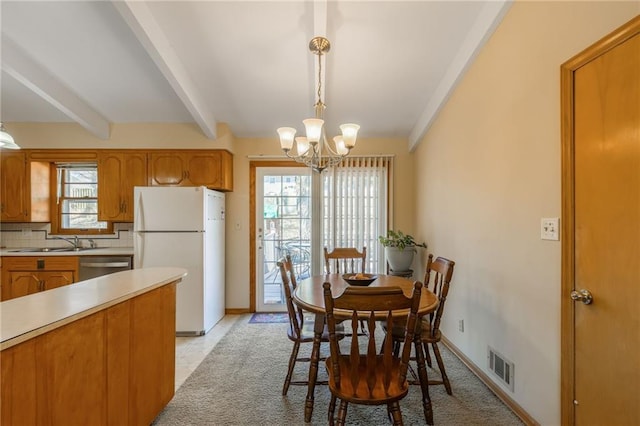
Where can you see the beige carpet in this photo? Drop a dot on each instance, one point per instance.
(240, 383)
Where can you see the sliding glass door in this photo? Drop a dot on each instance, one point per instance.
(298, 212)
(283, 227)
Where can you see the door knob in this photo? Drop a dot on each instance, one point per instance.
(583, 296)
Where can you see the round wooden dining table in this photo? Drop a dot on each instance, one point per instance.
(309, 296)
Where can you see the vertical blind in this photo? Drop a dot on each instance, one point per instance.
(355, 195)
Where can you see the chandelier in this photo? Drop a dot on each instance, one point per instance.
(6, 140)
(314, 150)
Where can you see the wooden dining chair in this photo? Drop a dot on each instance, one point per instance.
(298, 332)
(344, 260)
(364, 376)
(437, 278)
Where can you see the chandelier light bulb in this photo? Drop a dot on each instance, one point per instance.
(349, 133)
(313, 126)
(303, 145)
(340, 147)
(286, 137)
(6, 140)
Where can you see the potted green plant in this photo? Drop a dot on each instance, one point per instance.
(399, 249)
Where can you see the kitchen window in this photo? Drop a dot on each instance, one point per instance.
(76, 202)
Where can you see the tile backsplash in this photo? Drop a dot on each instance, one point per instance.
(16, 235)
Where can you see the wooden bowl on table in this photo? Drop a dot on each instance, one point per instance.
(359, 278)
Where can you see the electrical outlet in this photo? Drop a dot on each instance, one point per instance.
(461, 326)
(26, 233)
(550, 228)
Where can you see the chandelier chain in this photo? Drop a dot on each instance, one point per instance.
(319, 84)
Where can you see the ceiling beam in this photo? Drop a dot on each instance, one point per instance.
(141, 21)
(17, 63)
(482, 29)
(320, 18)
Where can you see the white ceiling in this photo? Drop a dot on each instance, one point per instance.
(245, 63)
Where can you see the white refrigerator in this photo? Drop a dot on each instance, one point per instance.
(184, 227)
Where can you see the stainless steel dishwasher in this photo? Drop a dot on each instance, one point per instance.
(96, 266)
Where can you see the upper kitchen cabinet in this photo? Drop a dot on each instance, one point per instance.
(213, 169)
(14, 186)
(118, 173)
(24, 188)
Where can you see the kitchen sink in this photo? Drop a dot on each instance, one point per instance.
(49, 249)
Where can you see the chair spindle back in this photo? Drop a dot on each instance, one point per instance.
(366, 379)
(438, 278)
(289, 284)
(345, 260)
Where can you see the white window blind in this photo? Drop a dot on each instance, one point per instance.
(355, 195)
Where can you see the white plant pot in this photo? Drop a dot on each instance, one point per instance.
(400, 260)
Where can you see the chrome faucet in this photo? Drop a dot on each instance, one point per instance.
(75, 242)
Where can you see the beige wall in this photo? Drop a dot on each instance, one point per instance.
(123, 136)
(489, 171)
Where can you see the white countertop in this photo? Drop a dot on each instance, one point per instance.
(26, 317)
(107, 251)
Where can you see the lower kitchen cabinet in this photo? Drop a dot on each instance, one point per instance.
(22, 276)
(113, 367)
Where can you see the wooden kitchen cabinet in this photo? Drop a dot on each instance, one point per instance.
(14, 187)
(113, 367)
(24, 188)
(26, 275)
(213, 169)
(118, 173)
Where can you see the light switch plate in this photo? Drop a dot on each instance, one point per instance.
(550, 228)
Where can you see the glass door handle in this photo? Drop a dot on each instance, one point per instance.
(260, 239)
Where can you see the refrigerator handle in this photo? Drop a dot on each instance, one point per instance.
(138, 255)
(138, 223)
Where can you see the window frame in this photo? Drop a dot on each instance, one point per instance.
(56, 207)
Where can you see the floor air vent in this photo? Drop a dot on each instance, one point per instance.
(501, 367)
